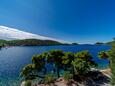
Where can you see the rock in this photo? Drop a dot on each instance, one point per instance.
(23, 83)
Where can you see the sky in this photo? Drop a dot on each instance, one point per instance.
(81, 21)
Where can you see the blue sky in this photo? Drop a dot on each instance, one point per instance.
(82, 21)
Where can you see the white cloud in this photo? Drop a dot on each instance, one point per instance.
(11, 33)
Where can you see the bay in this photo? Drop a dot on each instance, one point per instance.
(13, 59)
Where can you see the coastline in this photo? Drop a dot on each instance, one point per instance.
(106, 72)
(37, 49)
(62, 82)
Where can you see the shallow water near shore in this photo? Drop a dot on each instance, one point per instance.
(13, 59)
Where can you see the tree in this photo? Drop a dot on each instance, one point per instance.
(39, 62)
(31, 70)
(49, 78)
(28, 72)
(74, 43)
(112, 64)
(2, 45)
(86, 56)
(82, 63)
(28, 83)
(67, 75)
(67, 60)
(55, 56)
(103, 55)
(111, 56)
(114, 39)
(80, 66)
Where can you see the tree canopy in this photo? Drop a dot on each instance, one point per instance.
(75, 63)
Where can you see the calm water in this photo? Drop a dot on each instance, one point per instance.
(13, 59)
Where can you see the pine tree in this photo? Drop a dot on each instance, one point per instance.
(112, 64)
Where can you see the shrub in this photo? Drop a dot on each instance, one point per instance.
(82, 63)
(27, 72)
(78, 64)
(103, 55)
(112, 65)
(28, 83)
(80, 67)
(49, 78)
(67, 75)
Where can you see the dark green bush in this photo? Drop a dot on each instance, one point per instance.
(112, 64)
(28, 83)
(79, 63)
(49, 78)
(67, 75)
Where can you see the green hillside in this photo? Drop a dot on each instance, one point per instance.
(28, 42)
(111, 43)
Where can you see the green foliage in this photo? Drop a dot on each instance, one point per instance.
(103, 55)
(112, 64)
(2, 45)
(85, 56)
(114, 38)
(78, 63)
(74, 43)
(112, 61)
(28, 72)
(99, 43)
(67, 60)
(28, 83)
(49, 78)
(29, 42)
(111, 54)
(55, 56)
(38, 61)
(80, 66)
(112, 42)
(67, 75)
(82, 62)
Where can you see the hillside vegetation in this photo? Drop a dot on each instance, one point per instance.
(111, 54)
(111, 43)
(28, 42)
(112, 62)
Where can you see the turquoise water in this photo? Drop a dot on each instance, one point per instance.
(13, 59)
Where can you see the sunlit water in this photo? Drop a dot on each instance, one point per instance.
(13, 59)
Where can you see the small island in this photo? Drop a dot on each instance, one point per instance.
(75, 44)
(99, 43)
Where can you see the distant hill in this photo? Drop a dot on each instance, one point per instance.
(111, 43)
(14, 37)
(75, 44)
(28, 42)
(99, 43)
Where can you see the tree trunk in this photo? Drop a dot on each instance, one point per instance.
(45, 70)
(73, 72)
(58, 72)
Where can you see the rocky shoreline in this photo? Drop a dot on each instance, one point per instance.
(103, 80)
